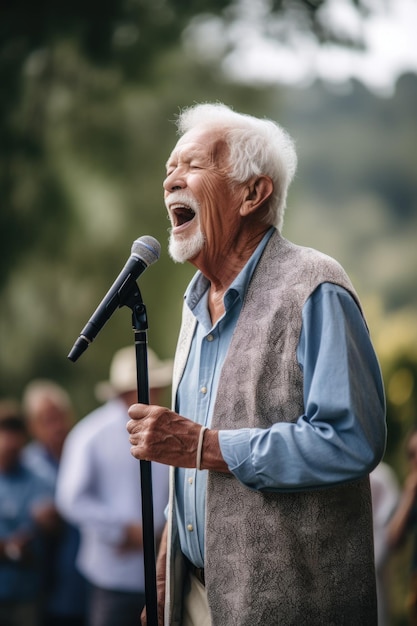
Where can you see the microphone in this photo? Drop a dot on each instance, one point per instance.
(145, 251)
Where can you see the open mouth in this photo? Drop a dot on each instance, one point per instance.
(181, 215)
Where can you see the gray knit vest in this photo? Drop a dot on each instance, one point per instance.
(289, 558)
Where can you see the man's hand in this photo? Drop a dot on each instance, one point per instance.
(410, 485)
(399, 524)
(133, 539)
(17, 548)
(158, 434)
(47, 517)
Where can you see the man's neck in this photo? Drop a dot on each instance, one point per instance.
(221, 266)
(222, 271)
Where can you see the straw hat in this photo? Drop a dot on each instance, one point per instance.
(123, 373)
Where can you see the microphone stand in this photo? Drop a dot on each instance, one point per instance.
(133, 299)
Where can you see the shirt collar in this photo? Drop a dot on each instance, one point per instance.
(199, 284)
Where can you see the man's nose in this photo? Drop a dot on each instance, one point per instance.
(174, 182)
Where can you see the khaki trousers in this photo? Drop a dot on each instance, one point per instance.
(196, 611)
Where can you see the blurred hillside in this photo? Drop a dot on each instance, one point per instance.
(358, 184)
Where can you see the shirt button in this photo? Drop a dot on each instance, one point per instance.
(190, 527)
(203, 389)
(190, 480)
(210, 337)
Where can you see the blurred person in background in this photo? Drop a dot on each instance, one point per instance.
(404, 522)
(50, 416)
(99, 490)
(23, 494)
(385, 495)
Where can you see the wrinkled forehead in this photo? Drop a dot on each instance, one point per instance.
(209, 142)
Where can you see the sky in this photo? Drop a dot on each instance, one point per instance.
(256, 49)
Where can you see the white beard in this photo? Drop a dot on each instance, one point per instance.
(182, 250)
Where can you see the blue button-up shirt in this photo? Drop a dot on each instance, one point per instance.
(339, 366)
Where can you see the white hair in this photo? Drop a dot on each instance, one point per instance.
(257, 147)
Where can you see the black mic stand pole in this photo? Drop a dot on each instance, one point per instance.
(133, 300)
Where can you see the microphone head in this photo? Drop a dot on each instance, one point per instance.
(147, 248)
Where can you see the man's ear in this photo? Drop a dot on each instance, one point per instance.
(257, 191)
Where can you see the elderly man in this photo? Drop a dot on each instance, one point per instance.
(279, 403)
